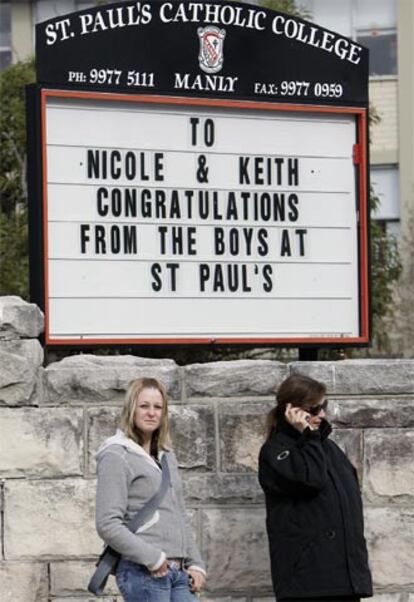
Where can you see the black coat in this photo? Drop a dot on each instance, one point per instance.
(314, 516)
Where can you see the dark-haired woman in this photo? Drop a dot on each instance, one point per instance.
(313, 502)
(160, 562)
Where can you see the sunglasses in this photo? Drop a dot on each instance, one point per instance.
(315, 410)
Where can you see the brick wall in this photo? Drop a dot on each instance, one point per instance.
(53, 419)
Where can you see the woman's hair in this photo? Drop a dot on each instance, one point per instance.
(300, 391)
(161, 437)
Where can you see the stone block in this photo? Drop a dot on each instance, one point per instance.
(390, 536)
(370, 413)
(72, 578)
(102, 423)
(363, 376)
(389, 597)
(350, 441)
(370, 377)
(19, 319)
(235, 549)
(242, 433)
(40, 442)
(20, 372)
(193, 436)
(222, 488)
(50, 520)
(322, 371)
(235, 378)
(23, 582)
(389, 466)
(89, 378)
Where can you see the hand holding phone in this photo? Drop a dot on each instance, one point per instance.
(297, 417)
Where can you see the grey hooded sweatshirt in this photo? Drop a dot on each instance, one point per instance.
(127, 478)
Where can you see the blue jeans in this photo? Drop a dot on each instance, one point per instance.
(136, 584)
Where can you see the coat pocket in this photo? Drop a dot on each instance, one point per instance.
(306, 548)
(322, 560)
(289, 553)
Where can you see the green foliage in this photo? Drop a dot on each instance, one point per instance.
(285, 6)
(386, 264)
(385, 271)
(13, 134)
(13, 193)
(14, 259)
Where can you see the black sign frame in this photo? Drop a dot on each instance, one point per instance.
(53, 63)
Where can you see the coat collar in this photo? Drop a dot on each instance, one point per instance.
(284, 426)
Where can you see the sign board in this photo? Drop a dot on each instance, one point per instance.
(195, 190)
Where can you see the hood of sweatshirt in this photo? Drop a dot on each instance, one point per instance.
(121, 439)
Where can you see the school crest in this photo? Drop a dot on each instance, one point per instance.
(210, 56)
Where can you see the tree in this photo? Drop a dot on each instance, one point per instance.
(386, 270)
(13, 193)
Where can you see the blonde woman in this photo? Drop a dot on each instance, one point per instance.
(160, 562)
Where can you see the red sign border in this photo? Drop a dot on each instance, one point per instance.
(360, 160)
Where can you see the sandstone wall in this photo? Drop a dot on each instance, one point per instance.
(53, 419)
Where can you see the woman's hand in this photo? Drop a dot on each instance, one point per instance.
(298, 418)
(162, 571)
(197, 580)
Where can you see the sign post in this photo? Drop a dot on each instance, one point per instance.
(203, 178)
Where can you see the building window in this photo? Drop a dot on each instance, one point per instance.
(382, 47)
(384, 181)
(5, 35)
